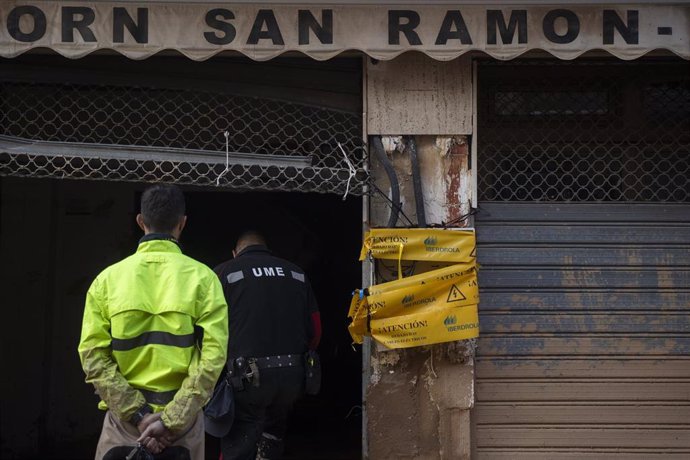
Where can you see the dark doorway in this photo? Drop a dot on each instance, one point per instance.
(320, 234)
(57, 235)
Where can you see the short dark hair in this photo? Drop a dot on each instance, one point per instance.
(162, 207)
(249, 238)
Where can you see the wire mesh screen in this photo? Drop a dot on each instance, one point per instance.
(584, 131)
(180, 121)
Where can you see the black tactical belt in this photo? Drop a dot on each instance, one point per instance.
(158, 397)
(268, 362)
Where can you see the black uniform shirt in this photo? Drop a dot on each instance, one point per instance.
(270, 303)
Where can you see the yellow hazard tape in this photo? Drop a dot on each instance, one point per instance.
(432, 307)
(446, 273)
(434, 326)
(385, 295)
(420, 244)
(435, 294)
(387, 311)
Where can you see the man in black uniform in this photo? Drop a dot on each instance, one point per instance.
(273, 321)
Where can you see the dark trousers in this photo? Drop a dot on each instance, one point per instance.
(262, 409)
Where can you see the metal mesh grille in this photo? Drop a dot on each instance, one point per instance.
(584, 132)
(288, 178)
(180, 119)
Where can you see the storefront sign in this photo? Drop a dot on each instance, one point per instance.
(200, 30)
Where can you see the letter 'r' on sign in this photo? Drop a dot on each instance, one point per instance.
(455, 294)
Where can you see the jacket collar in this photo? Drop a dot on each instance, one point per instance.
(158, 242)
(255, 248)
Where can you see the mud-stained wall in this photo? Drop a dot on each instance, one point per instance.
(419, 402)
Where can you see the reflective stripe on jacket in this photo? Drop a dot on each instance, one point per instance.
(138, 341)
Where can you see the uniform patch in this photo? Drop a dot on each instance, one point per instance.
(267, 271)
(235, 277)
(298, 276)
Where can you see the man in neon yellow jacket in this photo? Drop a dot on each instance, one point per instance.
(154, 337)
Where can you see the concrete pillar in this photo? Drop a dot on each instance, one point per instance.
(419, 399)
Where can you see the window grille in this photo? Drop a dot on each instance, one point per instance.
(584, 131)
(187, 126)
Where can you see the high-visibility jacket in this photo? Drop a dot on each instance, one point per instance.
(155, 330)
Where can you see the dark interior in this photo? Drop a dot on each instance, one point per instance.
(319, 233)
(56, 235)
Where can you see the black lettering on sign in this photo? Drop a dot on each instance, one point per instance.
(323, 31)
(389, 239)
(70, 22)
(495, 20)
(15, 17)
(214, 19)
(377, 305)
(630, 31)
(139, 29)
(453, 19)
(549, 26)
(272, 32)
(395, 26)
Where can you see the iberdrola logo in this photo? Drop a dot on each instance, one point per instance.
(430, 241)
(450, 320)
(430, 246)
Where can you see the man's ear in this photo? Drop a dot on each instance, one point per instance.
(180, 225)
(140, 222)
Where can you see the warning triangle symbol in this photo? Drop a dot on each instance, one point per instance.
(455, 294)
(474, 252)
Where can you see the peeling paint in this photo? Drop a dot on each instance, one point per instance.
(429, 374)
(444, 144)
(457, 179)
(461, 351)
(393, 144)
(375, 376)
(389, 358)
(382, 361)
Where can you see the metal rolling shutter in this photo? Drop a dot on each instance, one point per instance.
(585, 284)
(585, 324)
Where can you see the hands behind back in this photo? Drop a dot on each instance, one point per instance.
(154, 435)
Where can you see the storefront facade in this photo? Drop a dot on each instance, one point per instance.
(558, 130)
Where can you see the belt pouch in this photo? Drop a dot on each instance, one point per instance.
(312, 370)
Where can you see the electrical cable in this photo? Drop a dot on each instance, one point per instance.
(407, 270)
(417, 182)
(380, 152)
(389, 202)
(457, 220)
